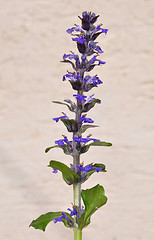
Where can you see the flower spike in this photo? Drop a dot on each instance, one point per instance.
(81, 81)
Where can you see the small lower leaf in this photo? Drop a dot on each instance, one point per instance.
(64, 147)
(86, 126)
(69, 107)
(42, 221)
(93, 199)
(90, 105)
(70, 124)
(68, 175)
(85, 148)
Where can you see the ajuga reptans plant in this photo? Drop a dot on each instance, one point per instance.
(78, 216)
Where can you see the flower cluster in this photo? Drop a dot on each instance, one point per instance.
(85, 37)
(77, 139)
(64, 216)
(88, 168)
(82, 169)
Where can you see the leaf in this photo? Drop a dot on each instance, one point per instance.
(88, 174)
(93, 199)
(68, 61)
(94, 19)
(70, 124)
(70, 108)
(86, 126)
(72, 104)
(42, 221)
(68, 175)
(64, 147)
(76, 85)
(81, 47)
(89, 68)
(85, 148)
(90, 105)
(96, 35)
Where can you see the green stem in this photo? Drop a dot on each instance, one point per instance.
(77, 186)
(77, 195)
(77, 200)
(77, 234)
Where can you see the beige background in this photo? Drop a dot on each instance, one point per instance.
(33, 40)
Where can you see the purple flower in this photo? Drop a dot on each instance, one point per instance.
(90, 99)
(82, 209)
(84, 119)
(61, 117)
(60, 218)
(75, 76)
(98, 49)
(94, 47)
(63, 141)
(80, 39)
(88, 168)
(77, 29)
(72, 56)
(92, 80)
(88, 19)
(55, 170)
(80, 96)
(98, 28)
(85, 15)
(94, 59)
(84, 140)
(74, 211)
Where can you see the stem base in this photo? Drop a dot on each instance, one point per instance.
(77, 234)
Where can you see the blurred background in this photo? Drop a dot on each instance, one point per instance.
(33, 40)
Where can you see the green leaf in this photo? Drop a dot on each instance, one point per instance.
(72, 104)
(68, 175)
(86, 126)
(85, 148)
(70, 124)
(76, 85)
(68, 61)
(42, 221)
(63, 147)
(88, 174)
(90, 105)
(93, 199)
(69, 107)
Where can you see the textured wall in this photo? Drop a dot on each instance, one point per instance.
(32, 41)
